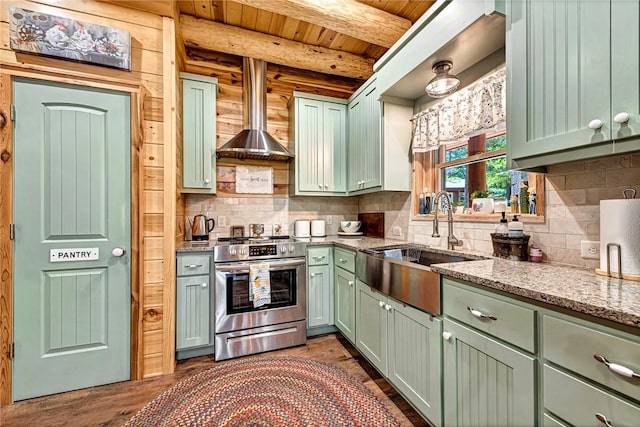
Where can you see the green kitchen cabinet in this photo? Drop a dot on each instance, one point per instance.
(198, 133)
(485, 381)
(404, 344)
(319, 290)
(194, 295)
(569, 91)
(345, 293)
(318, 134)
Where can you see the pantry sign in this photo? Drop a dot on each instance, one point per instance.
(74, 254)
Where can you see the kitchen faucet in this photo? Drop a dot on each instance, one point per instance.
(452, 241)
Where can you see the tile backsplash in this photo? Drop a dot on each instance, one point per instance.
(573, 194)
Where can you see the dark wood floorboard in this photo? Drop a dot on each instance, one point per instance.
(114, 404)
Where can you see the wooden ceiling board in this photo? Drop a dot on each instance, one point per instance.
(187, 6)
(218, 10)
(263, 21)
(249, 18)
(203, 9)
(232, 13)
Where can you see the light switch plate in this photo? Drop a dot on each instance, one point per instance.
(222, 221)
(590, 249)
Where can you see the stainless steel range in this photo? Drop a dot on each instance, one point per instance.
(241, 328)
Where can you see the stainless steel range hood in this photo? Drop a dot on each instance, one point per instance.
(254, 142)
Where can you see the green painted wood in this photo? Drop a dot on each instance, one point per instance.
(319, 296)
(514, 323)
(70, 317)
(371, 326)
(345, 259)
(345, 302)
(556, 84)
(572, 345)
(549, 421)
(199, 135)
(486, 383)
(192, 265)
(320, 255)
(414, 366)
(319, 140)
(577, 401)
(193, 312)
(354, 144)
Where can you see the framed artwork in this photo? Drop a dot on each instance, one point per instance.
(55, 36)
(237, 231)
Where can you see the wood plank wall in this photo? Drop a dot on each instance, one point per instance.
(281, 82)
(146, 81)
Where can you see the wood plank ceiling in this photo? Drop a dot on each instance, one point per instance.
(339, 37)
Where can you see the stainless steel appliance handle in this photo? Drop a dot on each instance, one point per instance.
(243, 267)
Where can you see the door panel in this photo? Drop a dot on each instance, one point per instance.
(71, 198)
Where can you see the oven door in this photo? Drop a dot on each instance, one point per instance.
(234, 310)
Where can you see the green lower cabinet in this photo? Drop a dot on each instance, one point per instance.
(414, 358)
(345, 303)
(319, 296)
(549, 421)
(371, 322)
(486, 383)
(193, 324)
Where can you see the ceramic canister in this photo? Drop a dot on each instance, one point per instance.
(302, 228)
(318, 228)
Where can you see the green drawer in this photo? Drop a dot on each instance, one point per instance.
(577, 402)
(345, 259)
(507, 321)
(188, 265)
(318, 256)
(549, 421)
(573, 346)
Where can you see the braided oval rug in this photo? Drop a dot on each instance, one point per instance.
(267, 392)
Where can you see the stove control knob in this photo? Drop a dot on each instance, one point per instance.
(283, 249)
(292, 248)
(232, 251)
(243, 250)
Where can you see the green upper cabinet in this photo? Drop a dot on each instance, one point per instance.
(198, 133)
(571, 74)
(318, 129)
(379, 140)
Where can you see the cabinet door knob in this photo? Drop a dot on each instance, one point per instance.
(600, 417)
(118, 252)
(595, 124)
(342, 260)
(387, 307)
(312, 274)
(621, 117)
(326, 186)
(319, 185)
(614, 367)
(350, 283)
(481, 315)
(446, 335)
(204, 285)
(207, 180)
(381, 304)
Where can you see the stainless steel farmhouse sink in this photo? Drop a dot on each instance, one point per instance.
(402, 272)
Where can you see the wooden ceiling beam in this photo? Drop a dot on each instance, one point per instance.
(237, 41)
(157, 7)
(348, 17)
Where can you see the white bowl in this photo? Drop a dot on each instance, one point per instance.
(350, 226)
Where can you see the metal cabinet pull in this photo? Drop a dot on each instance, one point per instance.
(318, 258)
(614, 367)
(193, 266)
(600, 417)
(350, 283)
(481, 315)
(342, 260)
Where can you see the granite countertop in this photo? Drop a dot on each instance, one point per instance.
(573, 288)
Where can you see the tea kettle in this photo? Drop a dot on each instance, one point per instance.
(200, 227)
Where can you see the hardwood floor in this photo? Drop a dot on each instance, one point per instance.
(114, 404)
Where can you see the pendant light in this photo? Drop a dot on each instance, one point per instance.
(443, 83)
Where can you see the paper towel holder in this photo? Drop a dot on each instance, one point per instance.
(609, 246)
(630, 190)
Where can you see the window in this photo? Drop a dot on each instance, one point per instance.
(478, 165)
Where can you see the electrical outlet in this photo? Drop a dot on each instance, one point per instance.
(590, 249)
(396, 231)
(222, 221)
(329, 220)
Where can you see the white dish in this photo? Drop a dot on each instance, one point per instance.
(342, 233)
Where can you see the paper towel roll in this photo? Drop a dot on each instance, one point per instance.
(620, 224)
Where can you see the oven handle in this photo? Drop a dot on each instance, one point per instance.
(273, 266)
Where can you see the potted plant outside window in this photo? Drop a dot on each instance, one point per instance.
(482, 202)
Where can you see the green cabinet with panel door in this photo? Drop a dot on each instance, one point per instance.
(318, 134)
(404, 344)
(345, 292)
(319, 290)
(572, 85)
(198, 133)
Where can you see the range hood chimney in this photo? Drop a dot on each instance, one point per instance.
(254, 142)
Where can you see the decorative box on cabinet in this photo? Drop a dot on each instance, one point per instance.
(486, 380)
(198, 133)
(378, 143)
(404, 344)
(194, 305)
(317, 130)
(319, 290)
(345, 292)
(575, 90)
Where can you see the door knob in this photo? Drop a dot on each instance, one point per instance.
(446, 335)
(595, 124)
(204, 284)
(621, 118)
(206, 180)
(118, 252)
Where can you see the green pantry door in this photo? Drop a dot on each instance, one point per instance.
(72, 220)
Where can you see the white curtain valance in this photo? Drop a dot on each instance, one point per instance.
(478, 108)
